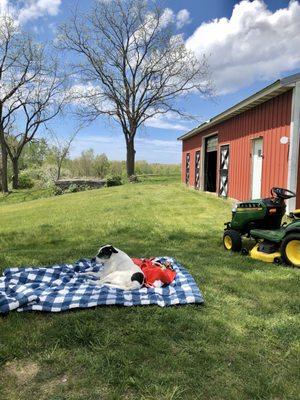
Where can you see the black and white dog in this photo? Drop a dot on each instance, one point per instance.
(119, 270)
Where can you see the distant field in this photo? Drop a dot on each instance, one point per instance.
(243, 344)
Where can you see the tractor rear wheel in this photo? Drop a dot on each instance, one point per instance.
(290, 249)
(232, 240)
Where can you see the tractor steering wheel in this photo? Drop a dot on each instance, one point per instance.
(282, 193)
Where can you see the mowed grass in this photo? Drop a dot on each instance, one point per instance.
(21, 195)
(243, 344)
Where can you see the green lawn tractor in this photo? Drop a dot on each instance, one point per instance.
(261, 220)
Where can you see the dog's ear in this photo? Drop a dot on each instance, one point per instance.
(106, 251)
(113, 249)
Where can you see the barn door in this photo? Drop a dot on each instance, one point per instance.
(197, 170)
(211, 164)
(187, 168)
(224, 165)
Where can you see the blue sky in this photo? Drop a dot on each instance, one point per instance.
(249, 44)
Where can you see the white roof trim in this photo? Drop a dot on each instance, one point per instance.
(273, 90)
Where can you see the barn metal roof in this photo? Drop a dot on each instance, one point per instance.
(270, 91)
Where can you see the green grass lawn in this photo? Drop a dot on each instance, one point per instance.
(19, 196)
(243, 344)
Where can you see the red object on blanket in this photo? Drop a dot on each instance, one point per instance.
(155, 276)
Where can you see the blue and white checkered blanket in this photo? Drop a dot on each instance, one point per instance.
(63, 287)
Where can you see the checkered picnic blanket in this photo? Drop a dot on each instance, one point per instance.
(63, 287)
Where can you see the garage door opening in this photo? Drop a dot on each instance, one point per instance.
(210, 180)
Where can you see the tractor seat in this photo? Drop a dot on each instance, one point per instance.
(275, 235)
(295, 214)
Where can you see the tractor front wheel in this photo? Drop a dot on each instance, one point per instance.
(290, 249)
(232, 240)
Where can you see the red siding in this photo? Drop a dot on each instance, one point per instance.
(298, 188)
(269, 120)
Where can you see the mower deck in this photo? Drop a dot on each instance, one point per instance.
(266, 257)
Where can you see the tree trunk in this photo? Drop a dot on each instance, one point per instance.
(15, 179)
(4, 182)
(58, 170)
(130, 161)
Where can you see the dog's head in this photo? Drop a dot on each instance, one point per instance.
(104, 253)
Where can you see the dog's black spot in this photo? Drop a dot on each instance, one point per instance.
(106, 252)
(138, 276)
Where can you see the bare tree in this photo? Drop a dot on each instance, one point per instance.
(19, 65)
(35, 106)
(61, 148)
(132, 66)
(31, 88)
(0, 171)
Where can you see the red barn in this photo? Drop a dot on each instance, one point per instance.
(249, 148)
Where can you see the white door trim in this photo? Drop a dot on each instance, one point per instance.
(254, 141)
(294, 146)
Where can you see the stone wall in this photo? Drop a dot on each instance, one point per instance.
(94, 183)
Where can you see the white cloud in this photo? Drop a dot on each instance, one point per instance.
(170, 121)
(3, 6)
(97, 139)
(160, 145)
(33, 9)
(53, 27)
(28, 10)
(167, 17)
(80, 94)
(253, 44)
(182, 18)
(6, 8)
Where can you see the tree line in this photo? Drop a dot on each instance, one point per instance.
(127, 65)
(41, 164)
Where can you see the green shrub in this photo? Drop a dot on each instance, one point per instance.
(57, 191)
(114, 180)
(73, 188)
(86, 186)
(25, 182)
(48, 175)
(34, 173)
